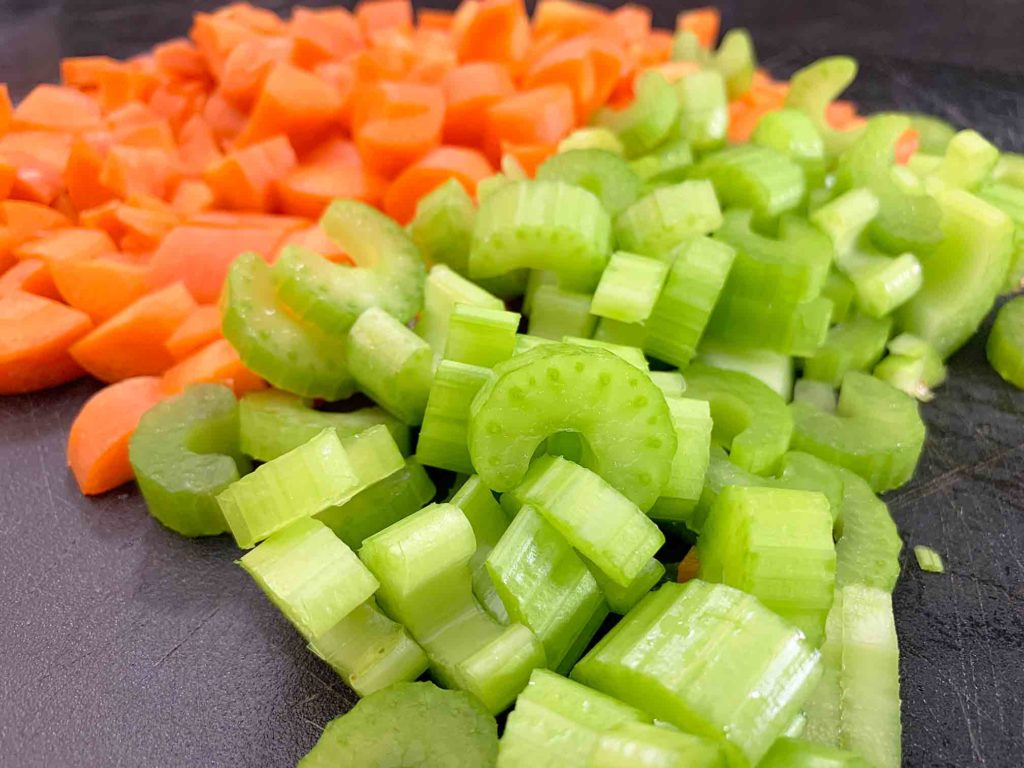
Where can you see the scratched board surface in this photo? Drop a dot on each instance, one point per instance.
(123, 644)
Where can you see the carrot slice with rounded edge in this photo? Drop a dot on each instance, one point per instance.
(216, 362)
(704, 23)
(467, 166)
(138, 171)
(469, 90)
(35, 334)
(567, 18)
(377, 16)
(100, 287)
(191, 197)
(244, 179)
(98, 440)
(309, 189)
(196, 331)
(322, 34)
(57, 108)
(542, 116)
(67, 245)
(131, 343)
(494, 30)
(30, 276)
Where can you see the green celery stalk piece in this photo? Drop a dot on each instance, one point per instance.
(795, 753)
(388, 274)
(882, 283)
(840, 291)
(537, 278)
(876, 431)
(814, 87)
(772, 368)
(632, 355)
(668, 163)
(592, 137)
(391, 364)
(667, 216)
(710, 660)
(489, 522)
(480, 335)
(409, 722)
(820, 394)
(789, 330)
(183, 453)
(928, 559)
(639, 745)
(736, 60)
(1005, 348)
(444, 290)
(823, 709)
(621, 599)
(443, 437)
(868, 545)
(299, 484)
(671, 384)
(794, 134)
(855, 345)
(621, 414)
(604, 174)
(647, 120)
(1010, 169)
(969, 160)
(556, 312)
(686, 46)
(759, 178)
(703, 110)
(623, 334)
(845, 218)
(1010, 200)
(629, 287)
(310, 575)
(443, 226)
(693, 424)
(289, 353)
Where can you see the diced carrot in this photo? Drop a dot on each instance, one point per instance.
(100, 287)
(39, 158)
(247, 66)
(98, 441)
(906, 146)
(191, 197)
(30, 276)
(435, 57)
(309, 189)
(103, 217)
(433, 18)
(704, 23)
(25, 220)
(83, 72)
(135, 170)
(689, 567)
(67, 245)
(568, 63)
(197, 146)
(376, 16)
(131, 343)
(57, 108)
(496, 30)
(156, 134)
(8, 174)
(225, 120)
(180, 59)
(469, 90)
(529, 156)
(6, 109)
(244, 179)
(196, 331)
(126, 82)
(467, 166)
(175, 104)
(216, 36)
(743, 119)
(323, 34)
(252, 17)
(840, 114)
(341, 76)
(238, 220)
(51, 148)
(396, 123)
(145, 227)
(542, 116)
(82, 176)
(567, 18)
(35, 334)
(216, 362)
(656, 49)
(632, 23)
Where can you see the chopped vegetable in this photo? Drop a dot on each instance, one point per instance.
(1006, 342)
(928, 559)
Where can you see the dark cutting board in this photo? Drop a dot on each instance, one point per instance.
(123, 644)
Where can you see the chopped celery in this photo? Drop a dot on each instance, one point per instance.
(536, 278)
(759, 178)
(855, 345)
(840, 291)
(736, 60)
(555, 312)
(693, 425)
(629, 287)
(591, 137)
(603, 173)
(882, 283)
(623, 334)
(489, 522)
(1010, 169)
(391, 364)
(290, 354)
(621, 599)
(795, 753)
(443, 436)
(804, 472)
(298, 484)
(686, 46)
(797, 329)
(388, 273)
(639, 745)
(443, 226)
(933, 133)
(708, 659)
(820, 394)
(928, 559)
(1006, 342)
(666, 164)
(823, 708)
(814, 87)
(845, 218)
(480, 335)
(1010, 200)
(632, 355)
(913, 366)
(445, 289)
(643, 124)
(671, 383)
(772, 368)
(621, 414)
(868, 545)
(968, 161)
(525, 342)
(183, 453)
(667, 216)
(703, 110)
(793, 133)
(310, 575)
(408, 724)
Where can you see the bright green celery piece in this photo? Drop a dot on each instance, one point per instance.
(183, 453)
(373, 456)
(693, 425)
(712, 661)
(777, 545)
(375, 507)
(310, 575)
(543, 583)
(621, 599)
(547, 225)
(489, 522)
(443, 226)
(868, 546)
(683, 308)
(772, 368)
(736, 60)
(391, 364)
(963, 275)
(928, 559)
(298, 484)
(639, 745)
(795, 753)
(703, 110)
(876, 431)
(592, 137)
(750, 420)
(914, 375)
(1005, 347)
(423, 565)
(409, 724)
(553, 710)
(289, 353)
(556, 312)
(968, 161)
(536, 278)
(370, 651)
(443, 437)
(445, 289)
(272, 422)
(667, 163)
(823, 708)
(661, 220)
(1010, 169)
(604, 174)
(632, 355)
(388, 274)
(480, 335)
(820, 394)
(855, 345)
(845, 218)
(629, 287)
(933, 133)
(671, 384)
(1010, 200)
(749, 176)
(647, 120)
(605, 526)
(794, 134)
(623, 334)
(525, 342)
(621, 414)
(814, 87)
(840, 291)
(687, 47)
(790, 330)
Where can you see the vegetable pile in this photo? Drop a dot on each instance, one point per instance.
(582, 297)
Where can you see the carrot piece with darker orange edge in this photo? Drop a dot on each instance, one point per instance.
(704, 23)
(69, 244)
(145, 226)
(123, 83)
(191, 197)
(244, 179)
(467, 166)
(35, 334)
(433, 18)
(377, 16)
(84, 71)
(82, 176)
(6, 109)
(566, 18)
(247, 67)
(541, 116)
(57, 108)
(197, 330)
(309, 189)
(215, 36)
(100, 287)
(216, 362)
(469, 90)
(529, 156)
(30, 276)
(323, 34)
(25, 220)
(8, 173)
(180, 59)
(494, 30)
(137, 170)
(906, 146)
(396, 123)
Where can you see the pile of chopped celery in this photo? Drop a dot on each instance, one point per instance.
(723, 354)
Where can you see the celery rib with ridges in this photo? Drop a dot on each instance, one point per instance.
(489, 522)
(446, 421)
(481, 336)
(1005, 347)
(629, 287)
(605, 174)
(758, 178)
(693, 424)
(666, 217)
(703, 110)
(647, 121)
(445, 289)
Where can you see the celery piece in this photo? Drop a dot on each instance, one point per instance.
(1010, 200)
(408, 724)
(667, 163)
(855, 345)
(1005, 346)
(823, 708)
(542, 225)
(489, 523)
(693, 425)
(556, 312)
(840, 291)
(621, 414)
(968, 161)
(776, 545)
(908, 374)
(712, 661)
(444, 290)
(804, 472)
(667, 216)
(671, 383)
(928, 559)
(933, 133)
(772, 368)
(820, 394)
(487, 187)
(373, 456)
(272, 422)
(443, 226)
(876, 431)
(621, 599)
(623, 334)
(721, 473)
(298, 484)
(845, 218)
(1010, 169)
(794, 134)
(481, 336)
(639, 745)
(964, 274)
(603, 173)
(605, 526)
(686, 46)
(543, 584)
(388, 274)
(683, 308)
(647, 120)
(423, 565)
(703, 110)
(759, 178)
(632, 355)
(289, 353)
(882, 283)
(391, 364)
(592, 137)
(629, 287)
(183, 453)
(750, 420)
(536, 278)
(525, 342)
(814, 87)
(370, 651)
(735, 60)
(310, 575)
(443, 436)
(789, 330)
(795, 753)
(868, 544)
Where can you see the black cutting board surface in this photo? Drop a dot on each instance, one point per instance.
(122, 644)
